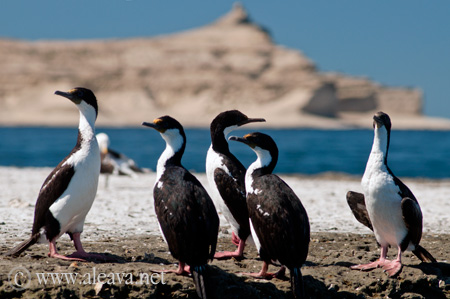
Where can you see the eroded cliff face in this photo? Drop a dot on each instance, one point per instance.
(356, 94)
(192, 75)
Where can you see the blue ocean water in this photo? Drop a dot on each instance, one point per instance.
(305, 151)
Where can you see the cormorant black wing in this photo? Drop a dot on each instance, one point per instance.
(357, 204)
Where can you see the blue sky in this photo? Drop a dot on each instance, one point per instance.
(404, 43)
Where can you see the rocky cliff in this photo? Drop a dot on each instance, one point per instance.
(192, 75)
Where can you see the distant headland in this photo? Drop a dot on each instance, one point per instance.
(193, 75)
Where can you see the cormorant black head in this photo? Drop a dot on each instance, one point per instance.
(264, 147)
(172, 132)
(231, 119)
(164, 123)
(382, 138)
(226, 122)
(80, 94)
(382, 119)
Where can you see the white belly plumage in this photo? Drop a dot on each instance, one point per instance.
(71, 208)
(384, 207)
(255, 237)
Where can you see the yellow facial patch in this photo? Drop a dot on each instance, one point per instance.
(72, 90)
(157, 121)
(248, 135)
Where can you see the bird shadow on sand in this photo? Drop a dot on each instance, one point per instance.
(98, 259)
(148, 258)
(105, 258)
(231, 285)
(340, 264)
(440, 269)
(236, 285)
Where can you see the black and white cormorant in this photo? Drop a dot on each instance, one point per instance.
(387, 206)
(186, 214)
(113, 162)
(279, 222)
(68, 192)
(226, 177)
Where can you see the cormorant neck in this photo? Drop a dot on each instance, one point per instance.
(220, 144)
(264, 164)
(219, 141)
(380, 145)
(175, 146)
(86, 126)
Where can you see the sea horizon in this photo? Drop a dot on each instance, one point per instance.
(305, 151)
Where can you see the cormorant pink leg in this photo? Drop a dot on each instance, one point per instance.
(235, 239)
(183, 269)
(238, 253)
(266, 275)
(81, 254)
(377, 264)
(394, 267)
(54, 253)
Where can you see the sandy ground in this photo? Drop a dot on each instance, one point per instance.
(122, 224)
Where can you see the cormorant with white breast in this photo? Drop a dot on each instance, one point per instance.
(68, 192)
(387, 206)
(226, 177)
(186, 214)
(279, 222)
(113, 162)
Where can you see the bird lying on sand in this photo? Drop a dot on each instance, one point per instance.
(113, 162)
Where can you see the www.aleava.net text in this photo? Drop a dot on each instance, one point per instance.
(95, 277)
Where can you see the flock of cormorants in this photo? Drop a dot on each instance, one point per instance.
(258, 204)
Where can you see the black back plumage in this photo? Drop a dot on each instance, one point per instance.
(231, 186)
(280, 221)
(278, 217)
(357, 204)
(233, 193)
(53, 187)
(183, 207)
(186, 213)
(187, 216)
